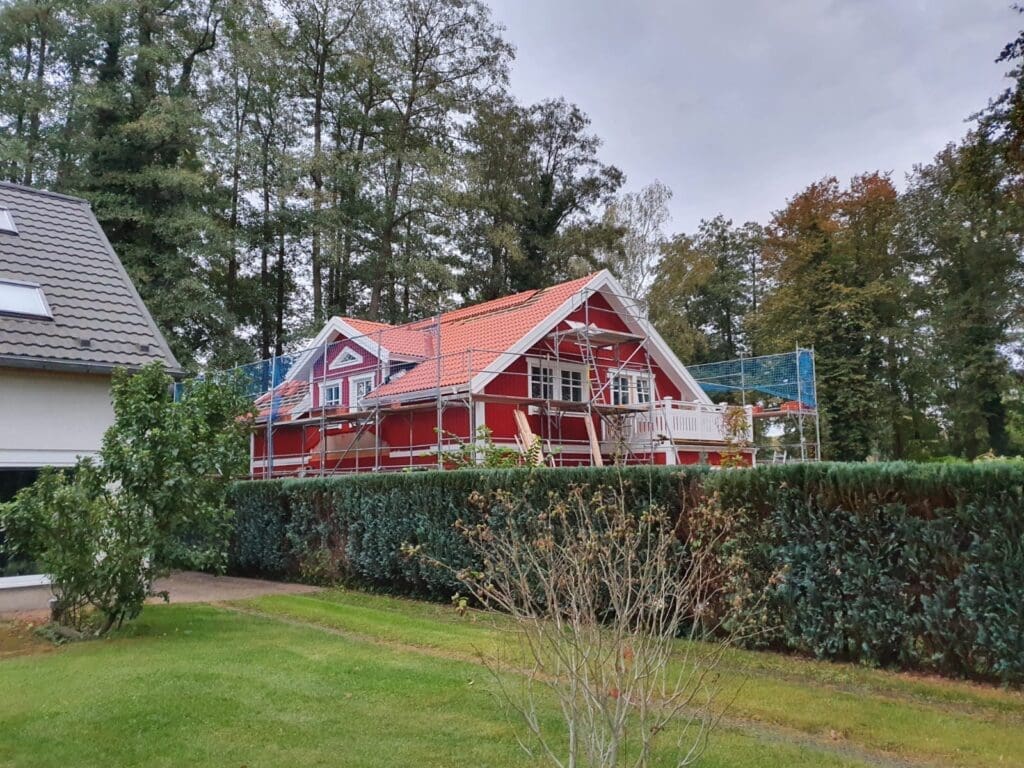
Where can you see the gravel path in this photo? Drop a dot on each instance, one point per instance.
(184, 587)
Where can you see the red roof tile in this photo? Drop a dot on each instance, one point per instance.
(283, 400)
(398, 340)
(472, 338)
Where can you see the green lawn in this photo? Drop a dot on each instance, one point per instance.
(348, 679)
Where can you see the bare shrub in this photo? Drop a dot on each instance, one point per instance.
(599, 595)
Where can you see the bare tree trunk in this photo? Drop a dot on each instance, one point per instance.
(267, 241)
(282, 276)
(318, 185)
(19, 121)
(241, 112)
(34, 119)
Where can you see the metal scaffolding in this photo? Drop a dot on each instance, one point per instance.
(783, 391)
(293, 391)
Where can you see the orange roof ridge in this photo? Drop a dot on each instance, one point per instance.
(355, 322)
(500, 304)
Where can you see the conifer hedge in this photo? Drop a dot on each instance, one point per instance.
(917, 566)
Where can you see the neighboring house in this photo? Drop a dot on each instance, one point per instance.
(576, 366)
(69, 315)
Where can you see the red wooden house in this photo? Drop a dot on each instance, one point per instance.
(575, 369)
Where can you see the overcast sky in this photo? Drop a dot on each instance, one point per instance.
(739, 105)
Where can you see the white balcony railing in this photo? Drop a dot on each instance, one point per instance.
(683, 422)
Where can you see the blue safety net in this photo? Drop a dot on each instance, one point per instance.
(255, 379)
(788, 376)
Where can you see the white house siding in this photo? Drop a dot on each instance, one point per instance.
(49, 418)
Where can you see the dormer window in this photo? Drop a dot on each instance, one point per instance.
(332, 393)
(18, 299)
(359, 387)
(7, 222)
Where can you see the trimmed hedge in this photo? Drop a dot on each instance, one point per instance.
(907, 565)
(351, 529)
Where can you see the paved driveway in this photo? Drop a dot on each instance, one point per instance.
(184, 587)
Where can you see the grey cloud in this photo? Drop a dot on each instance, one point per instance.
(739, 105)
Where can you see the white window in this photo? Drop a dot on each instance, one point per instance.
(572, 386)
(332, 393)
(620, 390)
(23, 300)
(7, 222)
(359, 387)
(542, 382)
(643, 390)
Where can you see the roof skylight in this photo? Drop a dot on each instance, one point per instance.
(7, 222)
(19, 299)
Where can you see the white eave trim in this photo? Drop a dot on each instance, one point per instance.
(29, 458)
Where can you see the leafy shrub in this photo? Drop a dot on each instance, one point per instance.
(155, 500)
(910, 565)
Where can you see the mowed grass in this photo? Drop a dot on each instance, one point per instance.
(349, 679)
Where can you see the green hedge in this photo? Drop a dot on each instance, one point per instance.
(907, 565)
(351, 529)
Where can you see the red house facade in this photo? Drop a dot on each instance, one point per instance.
(568, 375)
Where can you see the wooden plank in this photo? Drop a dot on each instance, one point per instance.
(527, 436)
(595, 444)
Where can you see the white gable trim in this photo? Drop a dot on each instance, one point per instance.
(628, 310)
(656, 345)
(334, 329)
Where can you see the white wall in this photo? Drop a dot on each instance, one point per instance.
(49, 418)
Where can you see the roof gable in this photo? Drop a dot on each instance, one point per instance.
(99, 322)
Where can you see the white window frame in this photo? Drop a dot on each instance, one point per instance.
(323, 394)
(347, 358)
(571, 386)
(547, 370)
(45, 312)
(632, 390)
(643, 378)
(353, 389)
(7, 224)
(618, 391)
(556, 368)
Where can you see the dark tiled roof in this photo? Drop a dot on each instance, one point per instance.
(99, 321)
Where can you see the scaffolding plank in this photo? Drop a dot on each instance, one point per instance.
(527, 436)
(595, 444)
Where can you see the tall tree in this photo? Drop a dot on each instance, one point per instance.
(532, 198)
(566, 183)
(445, 55)
(829, 259)
(320, 29)
(966, 231)
(705, 288)
(31, 36)
(641, 217)
(143, 170)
